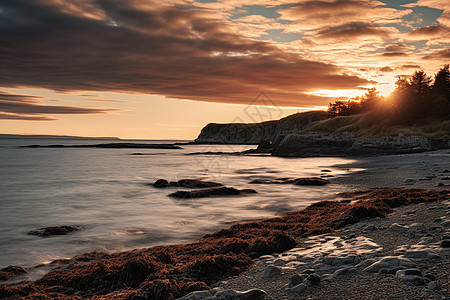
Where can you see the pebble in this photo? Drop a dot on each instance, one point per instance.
(432, 285)
(271, 271)
(445, 244)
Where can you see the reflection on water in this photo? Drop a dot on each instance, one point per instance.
(106, 191)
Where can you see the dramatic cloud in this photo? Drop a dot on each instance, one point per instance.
(352, 32)
(431, 33)
(317, 14)
(26, 107)
(148, 47)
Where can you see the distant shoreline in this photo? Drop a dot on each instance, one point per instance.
(43, 136)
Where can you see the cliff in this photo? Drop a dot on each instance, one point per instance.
(254, 133)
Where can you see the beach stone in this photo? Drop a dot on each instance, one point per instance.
(397, 227)
(367, 262)
(392, 271)
(404, 272)
(296, 279)
(313, 278)
(389, 262)
(430, 276)
(344, 271)
(432, 285)
(414, 280)
(370, 227)
(445, 244)
(254, 294)
(160, 183)
(279, 262)
(271, 271)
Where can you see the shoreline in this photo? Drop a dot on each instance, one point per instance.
(127, 264)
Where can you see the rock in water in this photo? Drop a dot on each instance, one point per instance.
(218, 191)
(161, 183)
(55, 230)
(189, 183)
(310, 181)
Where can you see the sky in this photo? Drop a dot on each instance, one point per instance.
(144, 69)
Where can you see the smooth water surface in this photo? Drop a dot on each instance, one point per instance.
(107, 192)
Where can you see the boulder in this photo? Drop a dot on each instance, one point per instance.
(189, 183)
(217, 191)
(55, 230)
(310, 181)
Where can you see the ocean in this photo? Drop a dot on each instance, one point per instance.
(108, 192)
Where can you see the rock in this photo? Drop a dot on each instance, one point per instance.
(390, 271)
(313, 278)
(279, 262)
(425, 253)
(389, 262)
(217, 191)
(344, 271)
(189, 183)
(254, 294)
(440, 184)
(367, 262)
(11, 271)
(195, 183)
(325, 170)
(296, 279)
(409, 181)
(397, 227)
(430, 276)
(160, 183)
(445, 244)
(432, 285)
(414, 280)
(310, 181)
(271, 271)
(55, 230)
(404, 272)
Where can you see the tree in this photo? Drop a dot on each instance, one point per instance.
(420, 83)
(441, 86)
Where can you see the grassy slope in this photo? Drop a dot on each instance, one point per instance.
(375, 125)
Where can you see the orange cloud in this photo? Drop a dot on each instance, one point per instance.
(152, 48)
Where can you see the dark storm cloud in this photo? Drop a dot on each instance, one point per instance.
(147, 47)
(25, 107)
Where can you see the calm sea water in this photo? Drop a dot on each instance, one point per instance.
(106, 191)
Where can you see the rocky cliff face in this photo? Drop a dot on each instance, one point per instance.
(314, 144)
(254, 133)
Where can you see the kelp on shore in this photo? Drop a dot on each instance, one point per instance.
(167, 272)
